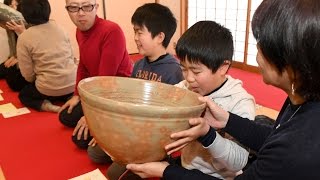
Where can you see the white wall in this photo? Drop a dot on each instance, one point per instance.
(119, 11)
(175, 7)
(60, 15)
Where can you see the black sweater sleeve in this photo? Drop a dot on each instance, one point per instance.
(247, 132)
(208, 139)
(289, 152)
(175, 172)
(250, 133)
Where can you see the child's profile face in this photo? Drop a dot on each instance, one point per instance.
(200, 78)
(146, 45)
(14, 4)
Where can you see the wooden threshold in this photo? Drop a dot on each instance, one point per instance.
(261, 110)
(245, 67)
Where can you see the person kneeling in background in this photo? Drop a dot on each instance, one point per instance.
(45, 59)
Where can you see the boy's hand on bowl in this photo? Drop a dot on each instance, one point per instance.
(199, 127)
(216, 117)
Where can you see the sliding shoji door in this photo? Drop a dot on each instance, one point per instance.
(235, 15)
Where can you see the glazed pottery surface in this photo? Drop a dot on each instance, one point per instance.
(132, 119)
(7, 14)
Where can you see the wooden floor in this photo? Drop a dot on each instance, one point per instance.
(261, 110)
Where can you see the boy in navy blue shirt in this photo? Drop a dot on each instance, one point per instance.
(154, 26)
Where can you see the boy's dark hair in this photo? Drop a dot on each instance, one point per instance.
(35, 11)
(288, 33)
(156, 18)
(206, 42)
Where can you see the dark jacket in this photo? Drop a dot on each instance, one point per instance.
(289, 151)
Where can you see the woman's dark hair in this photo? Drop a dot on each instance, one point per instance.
(288, 34)
(206, 42)
(35, 12)
(156, 18)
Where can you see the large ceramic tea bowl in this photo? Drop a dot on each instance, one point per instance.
(132, 119)
(7, 14)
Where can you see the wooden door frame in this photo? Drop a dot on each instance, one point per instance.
(183, 15)
(104, 9)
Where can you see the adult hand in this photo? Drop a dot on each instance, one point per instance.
(16, 27)
(93, 142)
(148, 170)
(10, 62)
(199, 127)
(81, 128)
(216, 117)
(71, 104)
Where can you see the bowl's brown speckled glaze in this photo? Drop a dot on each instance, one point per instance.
(7, 14)
(132, 119)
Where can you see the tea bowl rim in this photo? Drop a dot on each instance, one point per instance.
(151, 108)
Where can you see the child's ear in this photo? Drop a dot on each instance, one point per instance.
(161, 37)
(225, 67)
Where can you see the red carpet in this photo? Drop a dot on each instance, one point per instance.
(264, 95)
(36, 146)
